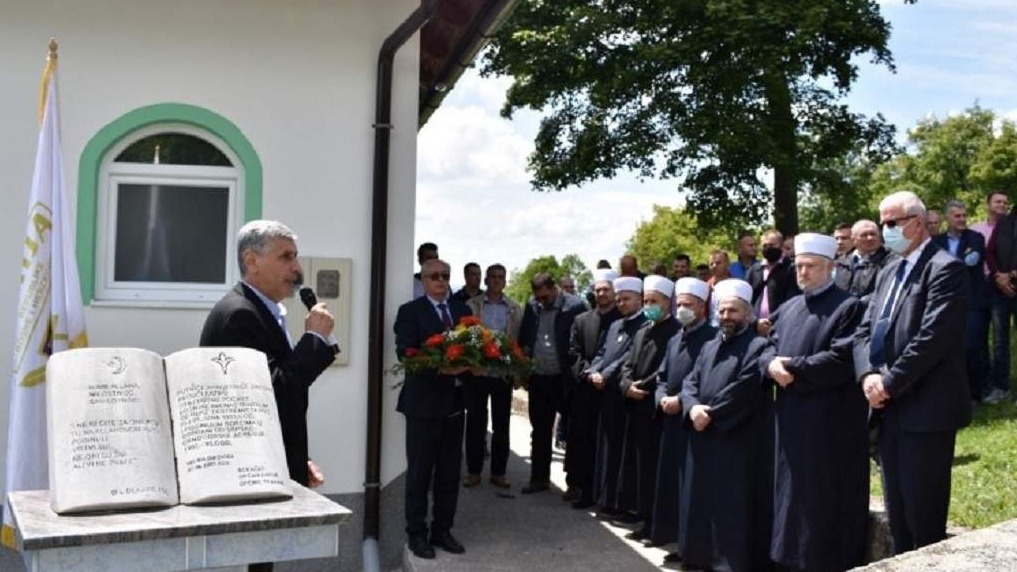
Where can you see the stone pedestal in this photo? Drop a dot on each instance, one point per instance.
(177, 538)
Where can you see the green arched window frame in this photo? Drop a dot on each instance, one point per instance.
(102, 142)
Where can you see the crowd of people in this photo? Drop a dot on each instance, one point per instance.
(729, 410)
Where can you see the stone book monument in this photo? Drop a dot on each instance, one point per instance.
(129, 429)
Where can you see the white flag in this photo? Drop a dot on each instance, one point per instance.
(50, 313)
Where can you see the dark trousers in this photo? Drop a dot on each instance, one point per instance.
(478, 391)
(581, 443)
(546, 399)
(434, 453)
(1003, 311)
(916, 485)
(977, 347)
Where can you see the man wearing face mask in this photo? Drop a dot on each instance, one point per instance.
(909, 360)
(726, 481)
(773, 281)
(638, 385)
(605, 375)
(682, 351)
(821, 497)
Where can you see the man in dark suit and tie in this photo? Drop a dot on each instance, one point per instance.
(968, 246)
(251, 315)
(907, 360)
(433, 403)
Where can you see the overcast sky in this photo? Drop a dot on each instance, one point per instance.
(473, 193)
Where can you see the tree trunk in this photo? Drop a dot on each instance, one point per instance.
(786, 174)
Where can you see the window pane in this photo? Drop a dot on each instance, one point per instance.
(169, 233)
(174, 149)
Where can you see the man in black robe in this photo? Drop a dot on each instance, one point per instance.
(605, 375)
(588, 332)
(638, 385)
(726, 480)
(821, 494)
(682, 351)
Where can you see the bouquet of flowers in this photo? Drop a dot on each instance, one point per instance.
(468, 347)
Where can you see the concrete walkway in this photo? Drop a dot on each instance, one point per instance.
(508, 531)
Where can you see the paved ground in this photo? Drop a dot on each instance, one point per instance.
(531, 533)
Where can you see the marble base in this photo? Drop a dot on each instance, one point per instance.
(177, 538)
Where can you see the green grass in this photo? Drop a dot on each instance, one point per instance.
(984, 483)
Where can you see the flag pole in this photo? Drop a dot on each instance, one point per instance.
(47, 73)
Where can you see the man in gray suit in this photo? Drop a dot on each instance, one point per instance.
(909, 358)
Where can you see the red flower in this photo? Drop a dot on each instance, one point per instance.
(454, 352)
(410, 352)
(491, 350)
(435, 340)
(469, 321)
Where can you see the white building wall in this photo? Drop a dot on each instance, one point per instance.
(298, 79)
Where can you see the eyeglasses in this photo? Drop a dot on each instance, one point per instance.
(895, 221)
(438, 276)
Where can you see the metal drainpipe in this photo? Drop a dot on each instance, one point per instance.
(379, 259)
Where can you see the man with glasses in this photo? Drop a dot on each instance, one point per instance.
(907, 360)
(433, 403)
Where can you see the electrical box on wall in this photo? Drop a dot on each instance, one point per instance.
(330, 280)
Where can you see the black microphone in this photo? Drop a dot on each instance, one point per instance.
(310, 300)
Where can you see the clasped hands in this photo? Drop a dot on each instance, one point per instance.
(635, 392)
(671, 405)
(700, 417)
(779, 373)
(875, 393)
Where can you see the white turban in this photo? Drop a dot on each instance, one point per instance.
(817, 244)
(659, 284)
(733, 287)
(693, 286)
(628, 284)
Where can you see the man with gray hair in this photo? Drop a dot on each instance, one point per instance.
(911, 368)
(968, 246)
(856, 272)
(251, 315)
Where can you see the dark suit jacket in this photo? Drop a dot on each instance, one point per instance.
(426, 393)
(241, 319)
(571, 306)
(971, 243)
(925, 371)
(588, 331)
(860, 279)
(781, 281)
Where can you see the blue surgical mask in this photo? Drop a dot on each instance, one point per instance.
(653, 313)
(894, 239)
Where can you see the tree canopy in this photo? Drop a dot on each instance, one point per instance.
(717, 94)
(963, 157)
(672, 231)
(518, 287)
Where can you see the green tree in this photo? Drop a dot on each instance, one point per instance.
(572, 265)
(961, 157)
(671, 231)
(518, 287)
(714, 93)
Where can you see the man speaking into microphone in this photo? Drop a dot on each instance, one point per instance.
(251, 315)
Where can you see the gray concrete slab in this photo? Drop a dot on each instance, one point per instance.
(513, 532)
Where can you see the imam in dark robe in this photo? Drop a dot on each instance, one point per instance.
(821, 494)
(726, 480)
(681, 356)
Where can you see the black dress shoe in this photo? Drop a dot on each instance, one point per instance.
(534, 488)
(447, 542)
(671, 557)
(626, 518)
(582, 504)
(571, 494)
(420, 547)
(638, 534)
